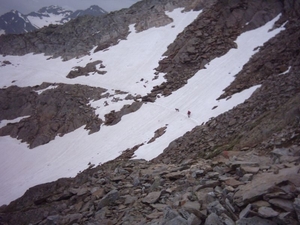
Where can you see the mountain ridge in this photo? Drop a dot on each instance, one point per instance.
(15, 22)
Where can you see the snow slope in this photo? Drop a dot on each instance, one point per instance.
(127, 64)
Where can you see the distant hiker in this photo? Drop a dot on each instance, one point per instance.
(189, 114)
(177, 110)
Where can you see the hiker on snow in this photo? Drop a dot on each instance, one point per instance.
(189, 114)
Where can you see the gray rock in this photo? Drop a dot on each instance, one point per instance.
(82, 191)
(216, 207)
(227, 220)
(176, 221)
(296, 205)
(108, 199)
(229, 206)
(152, 197)
(198, 173)
(53, 219)
(245, 211)
(136, 181)
(170, 214)
(250, 169)
(233, 182)
(213, 219)
(247, 177)
(72, 218)
(129, 199)
(192, 205)
(194, 220)
(99, 193)
(254, 221)
(262, 183)
(174, 175)
(267, 212)
(159, 207)
(284, 204)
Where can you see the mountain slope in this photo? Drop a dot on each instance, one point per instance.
(129, 82)
(49, 15)
(15, 22)
(232, 65)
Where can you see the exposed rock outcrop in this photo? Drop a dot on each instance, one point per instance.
(53, 109)
(114, 117)
(89, 68)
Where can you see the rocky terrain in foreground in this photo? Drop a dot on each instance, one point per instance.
(237, 187)
(241, 167)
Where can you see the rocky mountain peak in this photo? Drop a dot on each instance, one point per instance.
(55, 9)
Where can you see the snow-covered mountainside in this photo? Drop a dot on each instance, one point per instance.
(15, 22)
(49, 15)
(169, 112)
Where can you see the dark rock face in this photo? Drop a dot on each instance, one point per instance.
(114, 117)
(53, 112)
(84, 71)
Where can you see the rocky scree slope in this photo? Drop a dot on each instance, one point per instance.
(236, 187)
(241, 167)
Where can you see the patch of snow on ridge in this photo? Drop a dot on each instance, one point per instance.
(3, 123)
(48, 88)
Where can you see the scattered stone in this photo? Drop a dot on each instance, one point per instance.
(267, 212)
(260, 203)
(175, 175)
(213, 219)
(245, 211)
(108, 199)
(194, 220)
(152, 197)
(262, 183)
(233, 182)
(247, 177)
(250, 169)
(254, 221)
(215, 207)
(286, 205)
(296, 205)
